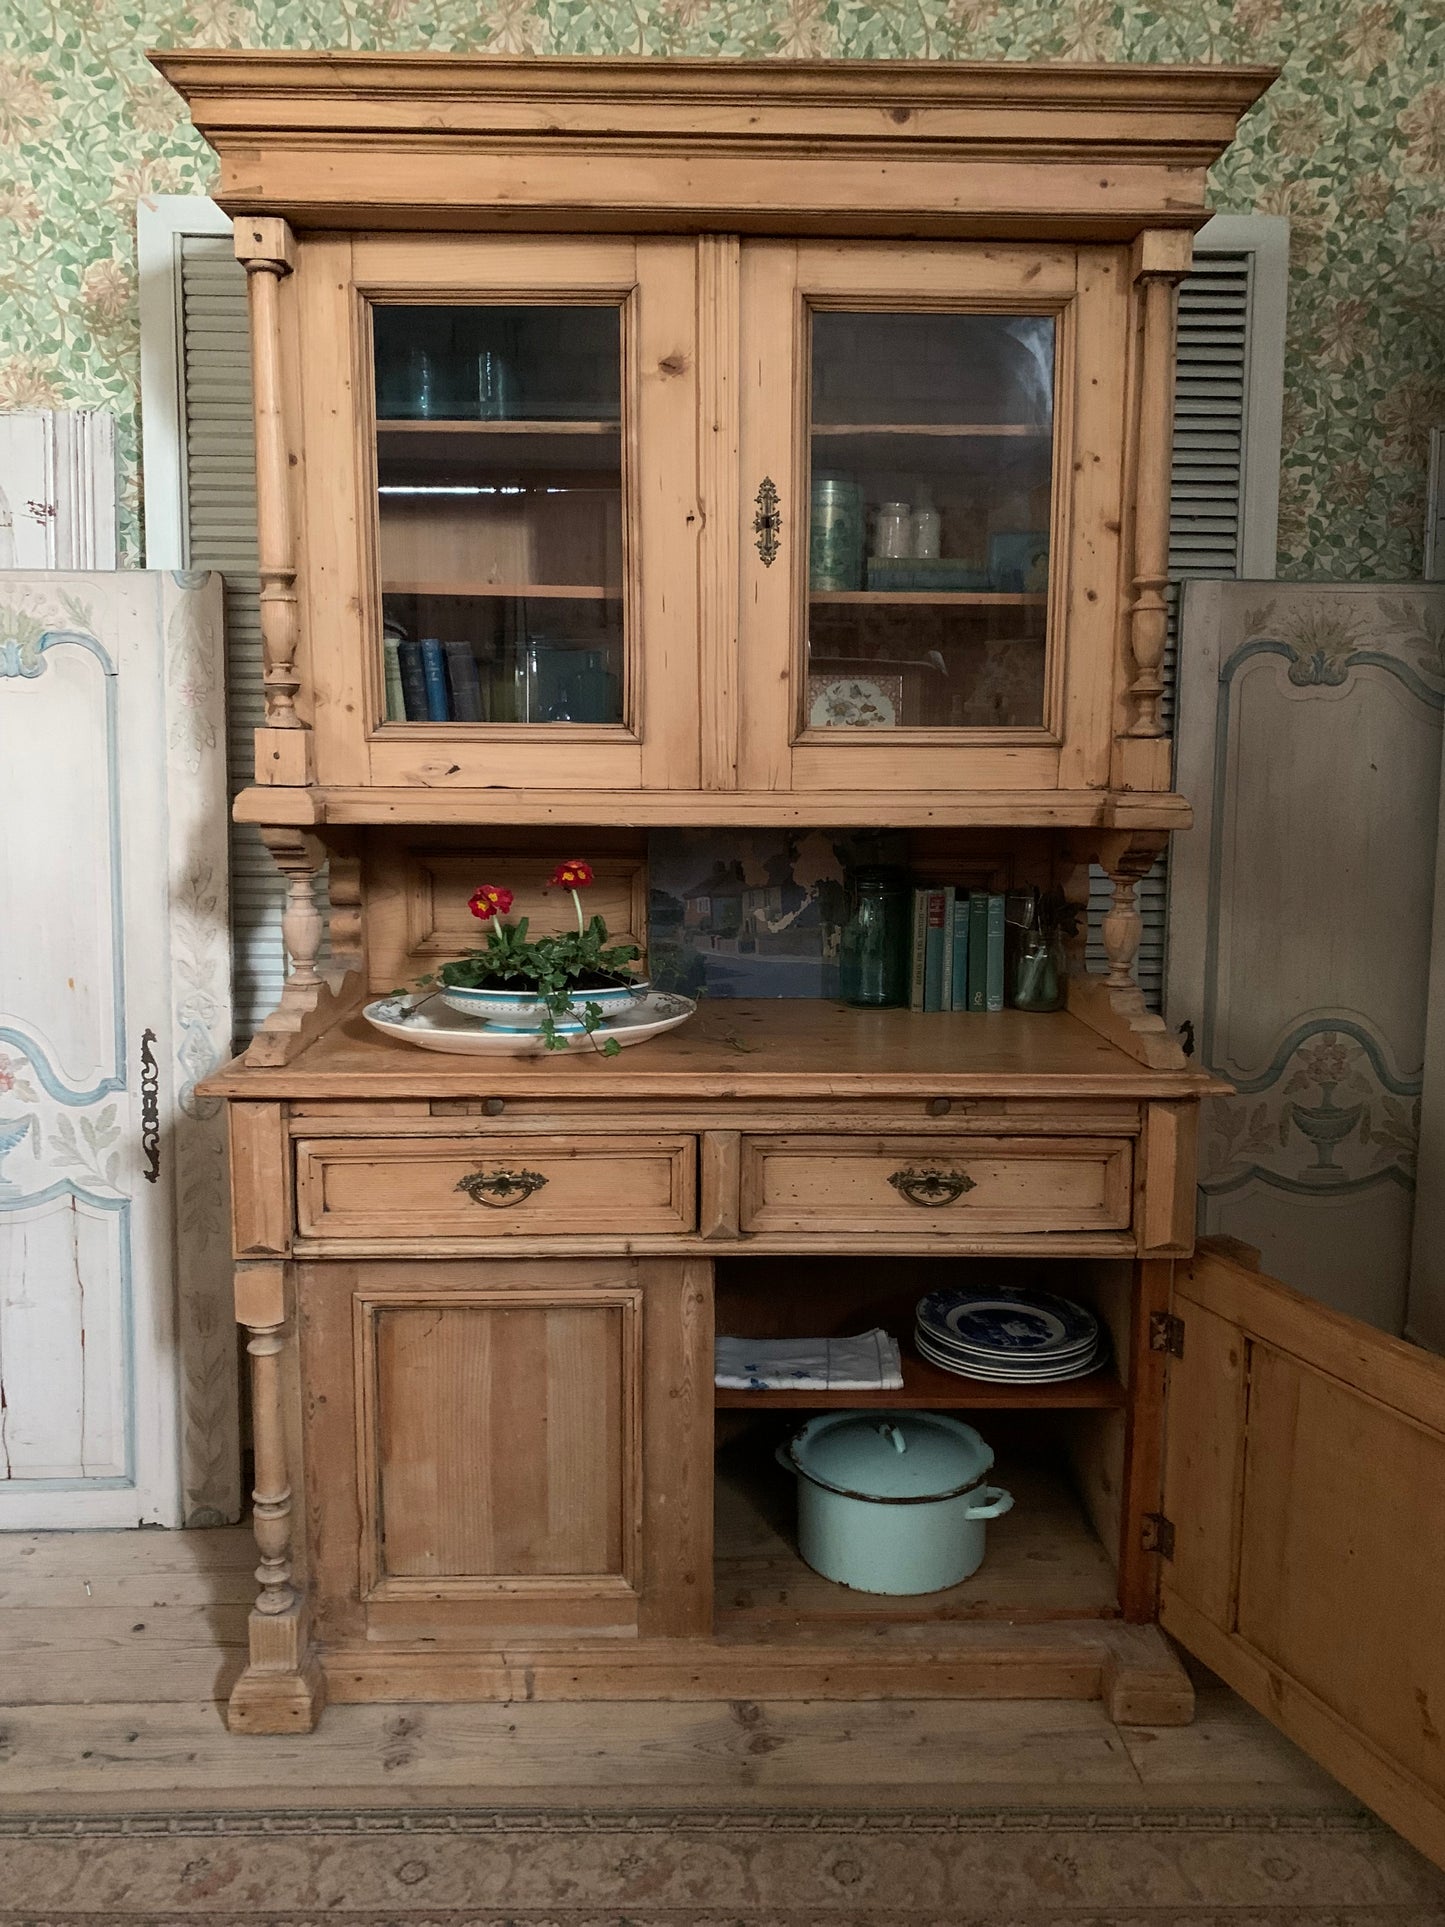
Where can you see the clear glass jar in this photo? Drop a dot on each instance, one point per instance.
(1038, 973)
(893, 532)
(927, 527)
(873, 951)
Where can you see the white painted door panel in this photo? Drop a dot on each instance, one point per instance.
(110, 734)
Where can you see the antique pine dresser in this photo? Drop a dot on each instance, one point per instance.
(481, 1294)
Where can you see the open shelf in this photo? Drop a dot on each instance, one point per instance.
(1036, 430)
(1043, 1560)
(431, 425)
(927, 1388)
(951, 598)
(554, 591)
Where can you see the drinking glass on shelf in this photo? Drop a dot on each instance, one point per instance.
(495, 388)
(1038, 976)
(926, 527)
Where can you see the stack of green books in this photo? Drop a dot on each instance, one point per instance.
(958, 949)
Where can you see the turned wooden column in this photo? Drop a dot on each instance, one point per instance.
(282, 1689)
(266, 249)
(1112, 1003)
(1142, 759)
(1161, 261)
(308, 1001)
(1122, 926)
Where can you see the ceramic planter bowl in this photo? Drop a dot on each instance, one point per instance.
(523, 1010)
(892, 1502)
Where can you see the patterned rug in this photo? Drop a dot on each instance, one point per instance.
(1013, 1868)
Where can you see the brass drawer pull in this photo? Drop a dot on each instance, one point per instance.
(931, 1187)
(500, 1187)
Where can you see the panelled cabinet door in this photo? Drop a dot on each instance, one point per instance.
(931, 469)
(527, 1446)
(1305, 1482)
(500, 510)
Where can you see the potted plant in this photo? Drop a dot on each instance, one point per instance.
(556, 987)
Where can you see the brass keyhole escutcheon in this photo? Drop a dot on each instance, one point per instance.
(767, 521)
(500, 1187)
(931, 1187)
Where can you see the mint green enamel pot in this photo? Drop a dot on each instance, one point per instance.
(892, 1502)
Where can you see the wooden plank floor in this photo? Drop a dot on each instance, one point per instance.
(117, 1647)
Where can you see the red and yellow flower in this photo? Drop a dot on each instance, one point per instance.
(574, 874)
(489, 902)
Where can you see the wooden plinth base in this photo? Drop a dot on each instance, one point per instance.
(1133, 1669)
(266, 1701)
(284, 1688)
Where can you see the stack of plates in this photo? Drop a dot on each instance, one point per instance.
(1009, 1337)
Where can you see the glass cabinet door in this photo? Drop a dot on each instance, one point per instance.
(929, 510)
(915, 526)
(501, 498)
(501, 582)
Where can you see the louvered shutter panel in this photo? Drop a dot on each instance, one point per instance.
(220, 470)
(1205, 506)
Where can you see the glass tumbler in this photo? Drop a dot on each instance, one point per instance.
(1039, 971)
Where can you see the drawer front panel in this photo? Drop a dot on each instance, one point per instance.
(969, 1186)
(420, 1188)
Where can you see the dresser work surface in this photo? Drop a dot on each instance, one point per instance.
(747, 1049)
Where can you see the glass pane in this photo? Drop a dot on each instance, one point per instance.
(932, 457)
(500, 503)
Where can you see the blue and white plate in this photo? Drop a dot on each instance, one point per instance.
(1006, 1361)
(1014, 1371)
(1006, 1323)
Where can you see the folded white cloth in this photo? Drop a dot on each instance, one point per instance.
(868, 1363)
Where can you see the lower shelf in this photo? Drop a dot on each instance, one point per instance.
(1044, 1562)
(927, 1388)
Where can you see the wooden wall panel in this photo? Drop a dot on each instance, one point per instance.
(1335, 1491)
(1306, 1457)
(499, 1440)
(418, 883)
(1203, 1468)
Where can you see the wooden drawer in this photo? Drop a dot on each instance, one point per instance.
(497, 1187)
(951, 1186)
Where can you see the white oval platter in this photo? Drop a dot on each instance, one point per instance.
(429, 1025)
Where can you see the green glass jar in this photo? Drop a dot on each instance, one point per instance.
(873, 959)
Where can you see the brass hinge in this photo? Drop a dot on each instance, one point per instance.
(1159, 1534)
(1166, 1333)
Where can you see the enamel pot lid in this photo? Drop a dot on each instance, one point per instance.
(901, 1458)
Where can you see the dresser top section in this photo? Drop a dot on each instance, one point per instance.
(747, 1049)
(949, 147)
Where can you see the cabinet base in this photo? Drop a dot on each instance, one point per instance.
(1133, 1669)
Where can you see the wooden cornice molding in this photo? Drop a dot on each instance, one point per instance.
(374, 139)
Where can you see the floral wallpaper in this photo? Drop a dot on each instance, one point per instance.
(1350, 144)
